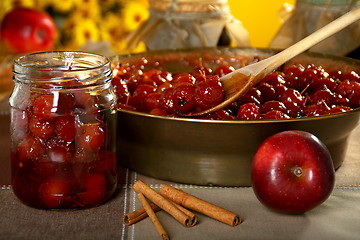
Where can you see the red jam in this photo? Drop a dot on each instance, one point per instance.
(289, 92)
(62, 152)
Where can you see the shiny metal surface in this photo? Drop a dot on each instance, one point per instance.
(206, 152)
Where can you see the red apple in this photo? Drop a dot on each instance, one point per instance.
(26, 30)
(292, 172)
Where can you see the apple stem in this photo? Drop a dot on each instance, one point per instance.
(297, 171)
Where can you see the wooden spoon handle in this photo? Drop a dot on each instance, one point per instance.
(309, 41)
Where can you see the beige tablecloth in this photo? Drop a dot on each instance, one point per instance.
(337, 218)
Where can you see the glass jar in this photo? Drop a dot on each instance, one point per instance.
(63, 130)
(175, 24)
(310, 15)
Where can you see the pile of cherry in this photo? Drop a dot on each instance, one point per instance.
(291, 91)
(60, 157)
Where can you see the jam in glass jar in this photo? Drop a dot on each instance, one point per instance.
(63, 121)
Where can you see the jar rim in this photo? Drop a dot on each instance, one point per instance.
(41, 61)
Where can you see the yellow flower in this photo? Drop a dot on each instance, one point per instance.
(110, 27)
(80, 30)
(63, 6)
(7, 5)
(88, 9)
(134, 13)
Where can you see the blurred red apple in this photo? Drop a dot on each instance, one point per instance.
(292, 172)
(26, 30)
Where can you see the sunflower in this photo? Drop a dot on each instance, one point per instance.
(134, 13)
(63, 6)
(79, 30)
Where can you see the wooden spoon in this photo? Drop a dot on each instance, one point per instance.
(238, 82)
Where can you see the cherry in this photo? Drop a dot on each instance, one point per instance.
(221, 114)
(94, 186)
(339, 109)
(209, 93)
(65, 127)
(120, 89)
(183, 78)
(41, 128)
(167, 100)
(152, 100)
(292, 95)
(139, 95)
(248, 111)
(84, 102)
(44, 107)
(159, 112)
(325, 96)
(183, 97)
(59, 151)
(92, 138)
(273, 105)
(294, 70)
(30, 148)
(316, 110)
(65, 103)
(268, 92)
(53, 192)
(274, 78)
(293, 110)
(351, 76)
(275, 114)
(224, 69)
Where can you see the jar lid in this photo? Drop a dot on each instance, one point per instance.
(185, 6)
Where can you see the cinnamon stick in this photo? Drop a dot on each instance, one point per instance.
(189, 201)
(138, 215)
(162, 202)
(153, 217)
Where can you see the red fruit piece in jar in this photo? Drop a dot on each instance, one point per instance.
(66, 103)
(92, 138)
(30, 148)
(85, 102)
(183, 98)
(65, 127)
(59, 151)
(209, 93)
(94, 186)
(249, 111)
(53, 192)
(41, 128)
(44, 107)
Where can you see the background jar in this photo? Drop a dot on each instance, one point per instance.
(63, 130)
